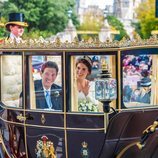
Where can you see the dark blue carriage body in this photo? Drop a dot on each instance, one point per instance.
(30, 132)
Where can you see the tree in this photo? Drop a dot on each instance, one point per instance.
(146, 16)
(44, 15)
(2, 29)
(114, 22)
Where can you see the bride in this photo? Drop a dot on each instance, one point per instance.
(85, 87)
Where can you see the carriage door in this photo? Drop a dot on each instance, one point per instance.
(11, 103)
(44, 105)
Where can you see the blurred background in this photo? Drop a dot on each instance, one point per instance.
(114, 19)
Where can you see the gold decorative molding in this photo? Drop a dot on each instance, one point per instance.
(43, 119)
(76, 44)
(21, 117)
(45, 148)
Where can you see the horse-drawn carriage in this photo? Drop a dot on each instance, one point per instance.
(121, 131)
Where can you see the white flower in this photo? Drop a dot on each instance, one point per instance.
(87, 106)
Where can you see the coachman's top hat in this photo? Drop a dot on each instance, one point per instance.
(16, 19)
(145, 82)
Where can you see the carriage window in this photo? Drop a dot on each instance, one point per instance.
(86, 70)
(11, 80)
(46, 83)
(140, 80)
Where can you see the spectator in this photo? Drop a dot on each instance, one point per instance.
(145, 90)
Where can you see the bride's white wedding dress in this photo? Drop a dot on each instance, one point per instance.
(91, 95)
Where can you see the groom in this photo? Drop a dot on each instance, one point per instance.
(48, 94)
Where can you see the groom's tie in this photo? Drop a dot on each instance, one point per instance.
(48, 99)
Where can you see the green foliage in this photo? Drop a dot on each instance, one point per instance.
(137, 27)
(146, 16)
(42, 15)
(2, 29)
(36, 34)
(2, 32)
(113, 21)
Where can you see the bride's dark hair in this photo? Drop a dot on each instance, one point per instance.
(86, 61)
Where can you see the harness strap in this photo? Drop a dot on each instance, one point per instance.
(125, 149)
(146, 133)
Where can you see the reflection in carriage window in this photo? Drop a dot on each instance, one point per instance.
(143, 93)
(47, 82)
(137, 72)
(11, 80)
(85, 72)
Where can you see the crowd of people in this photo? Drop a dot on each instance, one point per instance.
(136, 73)
(137, 78)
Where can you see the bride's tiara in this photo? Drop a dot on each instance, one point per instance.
(88, 59)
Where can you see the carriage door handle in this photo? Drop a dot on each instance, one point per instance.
(22, 118)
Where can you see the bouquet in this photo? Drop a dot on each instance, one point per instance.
(87, 106)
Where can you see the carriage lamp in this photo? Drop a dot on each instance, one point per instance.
(105, 87)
